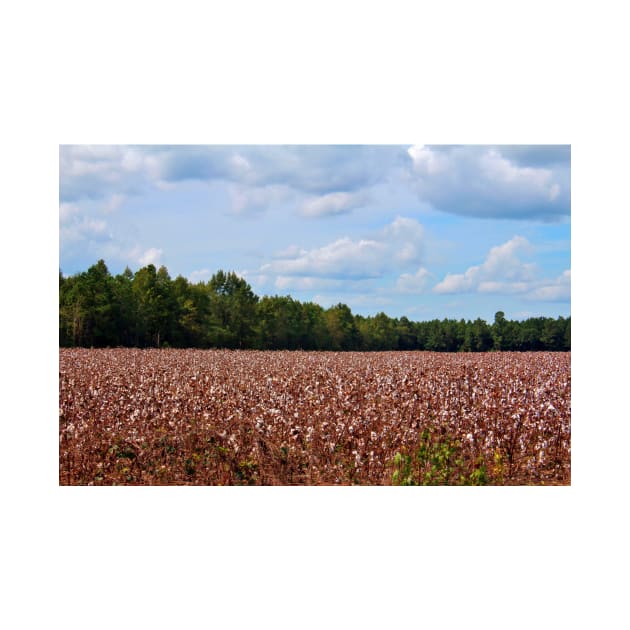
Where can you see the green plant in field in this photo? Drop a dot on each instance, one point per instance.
(403, 475)
(479, 476)
(436, 461)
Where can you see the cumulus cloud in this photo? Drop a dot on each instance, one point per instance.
(150, 256)
(95, 172)
(248, 199)
(75, 227)
(115, 201)
(542, 155)
(503, 272)
(318, 169)
(343, 257)
(556, 290)
(413, 282)
(493, 182)
(293, 251)
(67, 211)
(99, 171)
(481, 181)
(397, 245)
(406, 239)
(332, 204)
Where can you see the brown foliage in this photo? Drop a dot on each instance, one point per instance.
(220, 417)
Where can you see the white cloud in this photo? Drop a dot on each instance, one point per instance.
(332, 204)
(254, 199)
(150, 257)
(114, 202)
(413, 283)
(293, 251)
(427, 162)
(314, 169)
(396, 246)
(501, 272)
(79, 160)
(458, 283)
(502, 260)
(344, 257)
(75, 228)
(482, 182)
(557, 290)
(504, 273)
(240, 163)
(66, 211)
(521, 180)
(133, 160)
(406, 239)
(98, 171)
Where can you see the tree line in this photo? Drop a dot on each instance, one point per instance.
(149, 309)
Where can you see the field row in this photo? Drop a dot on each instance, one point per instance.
(210, 417)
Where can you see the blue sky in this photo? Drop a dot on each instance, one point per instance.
(422, 231)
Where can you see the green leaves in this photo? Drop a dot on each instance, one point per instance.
(436, 461)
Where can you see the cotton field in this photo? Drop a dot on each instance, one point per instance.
(220, 417)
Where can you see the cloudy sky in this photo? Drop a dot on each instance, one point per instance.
(421, 231)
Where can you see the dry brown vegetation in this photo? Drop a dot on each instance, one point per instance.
(212, 417)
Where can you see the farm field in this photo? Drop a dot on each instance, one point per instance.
(231, 417)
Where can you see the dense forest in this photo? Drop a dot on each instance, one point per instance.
(149, 309)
